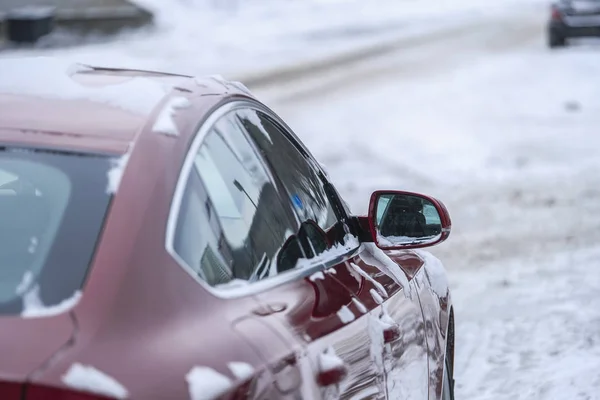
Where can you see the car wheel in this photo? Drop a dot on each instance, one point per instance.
(556, 40)
(448, 388)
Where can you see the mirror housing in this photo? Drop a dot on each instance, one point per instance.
(401, 220)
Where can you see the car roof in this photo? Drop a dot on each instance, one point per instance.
(50, 102)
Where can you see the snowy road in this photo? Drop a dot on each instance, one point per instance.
(506, 133)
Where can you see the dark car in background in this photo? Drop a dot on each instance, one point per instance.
(573, 19)
(166, 237)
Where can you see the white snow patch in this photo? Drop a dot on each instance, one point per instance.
(377, 345)
(241, 370)
(385, 317)
(51, 78)
(345, 315)
(164, 122)
(90, 379)
(390, 267)
(115, 173)
(376, 329)
(329, 360)
(34, 308)
(75, 69)
(25, 283)
(361, 307)
(376, 296)
(180, 103)
(232, 284)
(200, 80)
(242, 87)
(368, 277)
(205, 383)
(436, 273)
(317, 275)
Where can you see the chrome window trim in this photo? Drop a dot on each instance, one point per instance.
(175, 208)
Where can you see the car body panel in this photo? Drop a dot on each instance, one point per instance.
(120, 312)
(27, 352)
(16, 113)
(145, 321)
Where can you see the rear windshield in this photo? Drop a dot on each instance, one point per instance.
(52, 208)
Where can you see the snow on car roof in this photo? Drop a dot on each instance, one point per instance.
(89, 107)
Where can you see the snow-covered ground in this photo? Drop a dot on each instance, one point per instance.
(505, 132)
(237, 38)
(483, 116)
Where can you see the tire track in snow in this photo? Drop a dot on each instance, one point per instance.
(418, 58)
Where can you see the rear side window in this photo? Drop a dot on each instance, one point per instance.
(52, 208)
(254, 206)
(233, 224)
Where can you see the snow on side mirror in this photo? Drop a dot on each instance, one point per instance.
(404, 220)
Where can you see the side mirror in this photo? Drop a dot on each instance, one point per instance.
(405, 220)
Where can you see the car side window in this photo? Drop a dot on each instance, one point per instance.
(233, 223)
(299, 176)
(198, 236)
(253, 205)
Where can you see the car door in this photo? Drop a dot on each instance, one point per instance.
(392, 334)
(318, 305)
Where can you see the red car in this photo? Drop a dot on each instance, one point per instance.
(169, 237)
